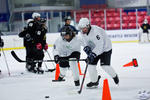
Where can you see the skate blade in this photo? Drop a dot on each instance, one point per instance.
(58, 80)
(93, 87)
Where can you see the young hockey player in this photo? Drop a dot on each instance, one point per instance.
(35, 41)
(1, 42)
(1, 45)
(27, 35)
(40, 43)
(67, 23)
(66, 47)
(144, 32)
(97, 46)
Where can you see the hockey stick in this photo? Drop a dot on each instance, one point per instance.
(48, 70)
(46, 67)
(6, 62)
(83, 78)
(21, 61)
(51, 70)
(0, 51)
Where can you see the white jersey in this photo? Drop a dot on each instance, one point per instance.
(64, 48)
(97, 40)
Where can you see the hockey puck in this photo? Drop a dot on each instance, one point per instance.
(46, 96)
(22, 73)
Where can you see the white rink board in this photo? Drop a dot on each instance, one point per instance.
(123, 35)
(13, 41)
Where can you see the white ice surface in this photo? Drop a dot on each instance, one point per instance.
(28, 86)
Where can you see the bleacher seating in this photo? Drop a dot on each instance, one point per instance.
(132, 26)
(113, 18)
(124, 25)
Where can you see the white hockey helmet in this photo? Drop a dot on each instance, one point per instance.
(145, 21)
(35, 15)
(84, 22)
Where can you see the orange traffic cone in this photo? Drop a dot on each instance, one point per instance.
(79, 69)
(132, 63)
(57, 72)
(106, 92)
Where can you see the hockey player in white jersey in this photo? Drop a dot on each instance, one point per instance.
(66, 47)
(97, 46)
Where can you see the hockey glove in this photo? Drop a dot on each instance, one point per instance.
(91, 57)
(28, 37)
(87, 50)
(39, 46)
(2, 44)
(56, 58)
(46, 47)
(75, 54)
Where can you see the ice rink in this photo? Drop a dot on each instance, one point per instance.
(29, 86)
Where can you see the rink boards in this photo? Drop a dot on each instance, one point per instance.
(116, 36)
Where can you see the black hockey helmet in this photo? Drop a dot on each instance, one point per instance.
(67, 18)
(43, 20)
(67, 30)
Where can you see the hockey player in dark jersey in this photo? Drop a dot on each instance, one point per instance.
(1, 42)
(67, 23)
(35, 41)
(40, 43)
(27, 35)
(145, 26)
(1, 45)
(144, 32)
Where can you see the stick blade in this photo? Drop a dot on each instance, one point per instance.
(79, 92)
(15, 56)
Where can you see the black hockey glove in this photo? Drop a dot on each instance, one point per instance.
(76, 55)
(91, 57)
(56, 58)
(1, 44)
(87, 50)
(28, 37)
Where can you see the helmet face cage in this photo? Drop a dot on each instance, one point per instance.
(67, 31)
(63, 34)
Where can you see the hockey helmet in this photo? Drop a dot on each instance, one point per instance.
(145, 21)
(67, 30)
(67, 18)
(35, 15)
(84, 22)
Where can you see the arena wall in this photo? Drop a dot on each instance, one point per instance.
(116, 36)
